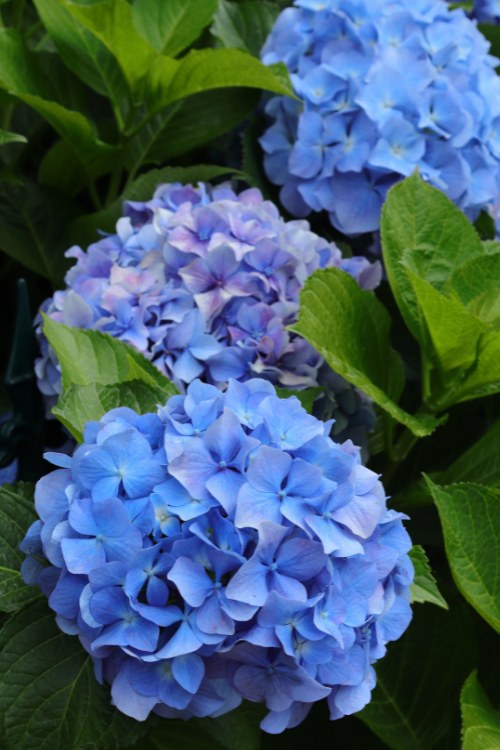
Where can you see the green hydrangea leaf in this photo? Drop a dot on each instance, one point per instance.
(111, 21)
(418, 680)
(49, 696)
(34, 227)
(17, 513)
(6, 137)
(82, 52)
(176, 129)
(477, 285)
(245, 25)
(172, 26)
(80, 404)
(424, 587)
(306, 398)
(350, 328)
(22, 76)
(481, 723)
(453, 332)
(202, 70)
(89, 357)
(420, 218)
(470, 517)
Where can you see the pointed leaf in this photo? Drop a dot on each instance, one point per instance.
(424, 587)
(172, 26)
(20, 76)
(49, 696)
(6, 137)
(470, 517)
(202, 70)
(82, 52)
(111, 22)
(88, 403)
(350, 328)
(34, 227)
(481, 723)
(245, 25)
(418, 680)
(418, 217)
(17, 513)
(89, 357)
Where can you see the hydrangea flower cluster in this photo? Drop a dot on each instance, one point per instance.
(487, 10)
(223, 549)
(203, 284)
(386, 86)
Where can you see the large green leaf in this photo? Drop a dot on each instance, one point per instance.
(480, 464)
(417, 217)
(245, 25)
(170, 80)
(419, 679)
(350, 328)
(17, 513)
(481, 723)
(492, 33)
(85, 229)
(6, 137)
(88, 403)
(89, 357)
(111, 22)
(34, 227)
(82, 52)
(176, 129)
(477, 285)
(470, 517)
(424, 587)
(49, 696)
(454, 333)
(238, 729)
(172, 26)
(485, 377)
(22, 77)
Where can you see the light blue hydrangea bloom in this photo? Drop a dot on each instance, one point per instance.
(386, 87)
(222, 549)
(203, 282)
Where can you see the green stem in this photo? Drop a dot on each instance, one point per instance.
(33, 29)
(426, 379)
(2, 25)
(41, 43)
(95, 198)
(114, 183)
(16, 14)
(7, 116)
(118, 116)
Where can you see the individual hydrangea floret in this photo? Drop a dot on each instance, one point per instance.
(386, 87)
(204, 282)
(223, 549)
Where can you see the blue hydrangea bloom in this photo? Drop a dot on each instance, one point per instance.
(487, 11)
(224, 548)
(203, 282)
(386, 87)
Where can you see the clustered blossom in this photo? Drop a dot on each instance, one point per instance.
(204, 284)
(386, 86)
(487, 10)
(223, 549)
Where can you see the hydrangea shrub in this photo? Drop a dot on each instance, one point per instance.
(204, 282)
(386, 87)
(222, 549)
